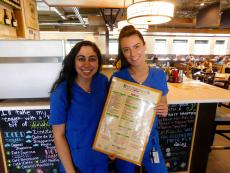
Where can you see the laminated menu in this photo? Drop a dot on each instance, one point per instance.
(127, 120)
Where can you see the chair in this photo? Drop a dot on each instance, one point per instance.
(222, 80)
(208, 78)
(217, 68)
(223, 119)
(223, 83)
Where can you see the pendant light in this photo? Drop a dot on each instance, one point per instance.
(124, 22)
(150, 12)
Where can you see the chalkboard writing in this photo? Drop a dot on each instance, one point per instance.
(176, 133)
(27, 141)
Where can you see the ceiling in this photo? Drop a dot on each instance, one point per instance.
(97, 15)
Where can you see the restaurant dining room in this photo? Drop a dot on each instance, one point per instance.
(187, 40)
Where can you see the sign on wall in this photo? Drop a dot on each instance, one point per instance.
(26, 141)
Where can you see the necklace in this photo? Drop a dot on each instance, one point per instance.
(141, 76)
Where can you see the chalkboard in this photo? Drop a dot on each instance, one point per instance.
(176, 132)
(26, 140)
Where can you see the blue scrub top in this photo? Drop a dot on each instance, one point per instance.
(81, 117)
(156, 79)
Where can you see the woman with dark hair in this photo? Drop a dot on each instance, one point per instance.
(134, 68)
(76, 103)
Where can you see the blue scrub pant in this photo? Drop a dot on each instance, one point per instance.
(127, 167)
(89, 169)
(93, 169)
(88, 161)
(124, 166)
(155, 167)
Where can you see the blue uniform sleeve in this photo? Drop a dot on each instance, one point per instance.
(101, 81)
(164, 84)
(58, 106)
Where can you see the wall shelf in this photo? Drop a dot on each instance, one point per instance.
(11, 4)
(27, 19)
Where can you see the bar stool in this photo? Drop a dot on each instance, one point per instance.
(222, 118)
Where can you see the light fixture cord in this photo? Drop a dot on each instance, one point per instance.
(123, 14)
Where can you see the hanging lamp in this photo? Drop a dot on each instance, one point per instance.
(150, 12)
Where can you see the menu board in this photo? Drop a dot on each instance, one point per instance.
(176, 134)
(127, 120)
(26, 140)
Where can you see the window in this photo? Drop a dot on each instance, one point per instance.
(70, 44)
(113, 46)
(201, 47)
(180, 46)
(220, 47)
(160, 46)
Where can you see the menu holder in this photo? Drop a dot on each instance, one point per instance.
(127, 120)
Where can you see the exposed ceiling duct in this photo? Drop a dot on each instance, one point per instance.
(105, 14)
(60, 24)
(61, 14)
(76, 12)
(58, 16)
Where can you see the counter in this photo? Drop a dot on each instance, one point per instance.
(185, 135)
(194, 91)
(108, 70)
(203, 98)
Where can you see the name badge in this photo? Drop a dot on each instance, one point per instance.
(154, 156)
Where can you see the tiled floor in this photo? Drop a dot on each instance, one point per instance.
(219, 160)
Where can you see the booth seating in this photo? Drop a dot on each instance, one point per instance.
(206, 77)
(222, 80)
(223, 119)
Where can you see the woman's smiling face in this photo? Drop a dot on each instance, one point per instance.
(133, 50)
(86, 63)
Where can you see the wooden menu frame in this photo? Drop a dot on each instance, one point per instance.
(127, 120)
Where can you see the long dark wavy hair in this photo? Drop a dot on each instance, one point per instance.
(68, 72)
(127, 31)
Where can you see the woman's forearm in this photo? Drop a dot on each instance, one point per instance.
(162, 107)
(63, 149)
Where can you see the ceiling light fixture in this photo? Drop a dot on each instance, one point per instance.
(123, 23)
(150, 12)
(202, 4)
(78, 15)
(59, 13)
